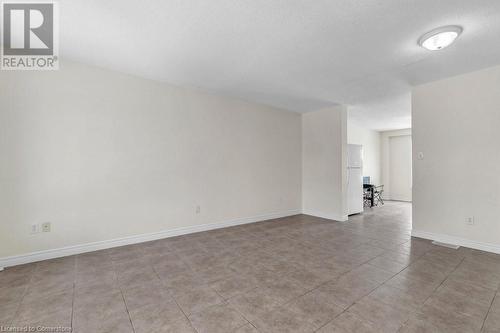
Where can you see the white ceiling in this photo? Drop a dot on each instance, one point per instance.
(299, 55)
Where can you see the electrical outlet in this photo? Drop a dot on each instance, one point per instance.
(46, 227)
(35, 228)
(198, 209)
(469, 220)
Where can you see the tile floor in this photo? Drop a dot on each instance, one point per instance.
(296, 274)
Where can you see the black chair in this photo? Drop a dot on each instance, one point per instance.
(378, 191)
(367, 195)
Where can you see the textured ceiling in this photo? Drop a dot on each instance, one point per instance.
(299, 55)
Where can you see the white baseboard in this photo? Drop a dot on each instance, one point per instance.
(101, 245)
(340, 218)
(494, 248)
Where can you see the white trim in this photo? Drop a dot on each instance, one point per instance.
(494, 248)
(340, 218)
(101, 245)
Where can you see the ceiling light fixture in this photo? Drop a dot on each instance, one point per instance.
(440, 38)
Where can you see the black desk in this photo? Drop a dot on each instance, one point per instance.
(369, 188)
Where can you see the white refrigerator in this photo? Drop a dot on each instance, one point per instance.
(355, 179)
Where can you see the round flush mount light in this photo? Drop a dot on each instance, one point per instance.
(440, 38)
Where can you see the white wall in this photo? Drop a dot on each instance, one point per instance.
(370, 140)
(456, 125)
(104, 155)
(385, 158)
(324, 149)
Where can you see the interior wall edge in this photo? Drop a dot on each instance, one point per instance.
(334, 217)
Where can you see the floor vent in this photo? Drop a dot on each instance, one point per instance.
(451, 246)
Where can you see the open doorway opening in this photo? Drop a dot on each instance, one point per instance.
(386, 176)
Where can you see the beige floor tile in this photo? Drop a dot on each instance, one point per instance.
(61, 318)
(110, 322)
(388, 318)
(281, 267)
(262, 275)
(254, 304)
(476, 275)
(307, 278)
(48, 285)
(96, 287)
(370, 272)
(314, 308)
(135, 278)
(348, 322)
(492, 322)
(248, 328)
(35, 306)
(411, 285)
(447, 321)
(330, 268)
(218, 318)
(12, 294)
(214, 273)
(197, 299)
(157, 317)
(147, 294)
(89, 308)
(233, 285)
(14, 278)
(495, 306)
(401, 256)
(387, 264)
(284, 290)
(344, 292)
(452, 301)
(7, 312)
(426, 271)
(398, 298)
(477, 293)
(181, 282)
(51, 310)
(282, 320)
(415, 325)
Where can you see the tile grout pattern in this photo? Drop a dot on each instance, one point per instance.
(295, 274)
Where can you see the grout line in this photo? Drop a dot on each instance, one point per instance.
(18, 309)
(171, 296)
(437, 287)
(346, 309)
(126, 309)
(489, 310)
(125, 303)
(121, 292)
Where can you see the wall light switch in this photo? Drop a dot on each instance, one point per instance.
(35, 228)
(469, 220)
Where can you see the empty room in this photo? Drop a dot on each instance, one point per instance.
(250, 166)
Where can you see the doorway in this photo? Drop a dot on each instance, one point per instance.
(400, 167)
